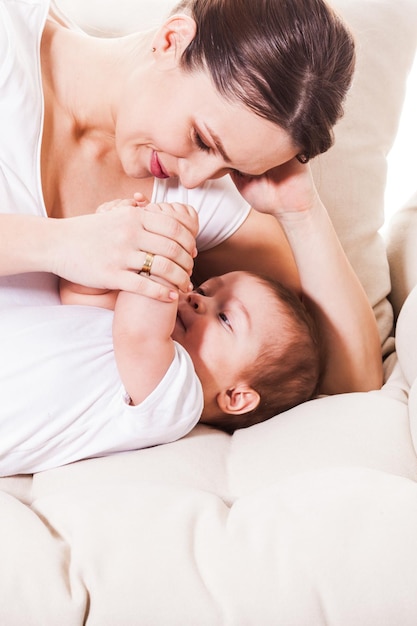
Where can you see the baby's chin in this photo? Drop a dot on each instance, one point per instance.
(179, 330)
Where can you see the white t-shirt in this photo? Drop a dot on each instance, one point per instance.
(220, 207)
(61, 397)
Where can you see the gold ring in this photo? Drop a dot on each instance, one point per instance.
(147, 264)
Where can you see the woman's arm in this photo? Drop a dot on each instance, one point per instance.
(352, 349)
(259, 245)
(103, 250)
(328, 283)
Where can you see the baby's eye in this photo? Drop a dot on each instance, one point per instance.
(200, 143)
(224, 319)
(200, 291)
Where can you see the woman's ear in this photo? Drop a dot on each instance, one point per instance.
(238, 400)
(173, 37)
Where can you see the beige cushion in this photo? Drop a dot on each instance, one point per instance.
(406, 343)
(351, 177)
(333, 547)
(401, 239)
(292, 519)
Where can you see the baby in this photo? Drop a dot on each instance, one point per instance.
(86, 381)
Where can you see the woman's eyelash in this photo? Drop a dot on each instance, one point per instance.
(200, 143)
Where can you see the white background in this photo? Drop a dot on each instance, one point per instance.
(402, 160)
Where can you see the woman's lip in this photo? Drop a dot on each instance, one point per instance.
(156, 168)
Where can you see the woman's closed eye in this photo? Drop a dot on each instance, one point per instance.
(200, 143)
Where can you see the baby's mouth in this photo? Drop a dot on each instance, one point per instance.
(180, 321)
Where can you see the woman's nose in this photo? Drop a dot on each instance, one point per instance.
(195, 173)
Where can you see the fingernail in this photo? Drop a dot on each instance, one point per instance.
(173, 295)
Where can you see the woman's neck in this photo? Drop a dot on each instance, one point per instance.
(83, 81)
(87, 76)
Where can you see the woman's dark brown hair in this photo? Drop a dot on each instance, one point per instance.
(289, 61)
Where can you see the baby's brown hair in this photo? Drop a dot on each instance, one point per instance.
(288, 368)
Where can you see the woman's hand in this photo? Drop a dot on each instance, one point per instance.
(286, 189)
(108, 249)
(329, 285)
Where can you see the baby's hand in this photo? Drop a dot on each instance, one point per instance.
(115, 204)
(183, 213)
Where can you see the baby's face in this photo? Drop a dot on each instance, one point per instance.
(223, 324)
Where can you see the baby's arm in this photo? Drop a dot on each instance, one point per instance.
(72, 293)
(143, 347)
(142, 329)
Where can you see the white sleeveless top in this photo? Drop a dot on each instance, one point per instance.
(220, 207)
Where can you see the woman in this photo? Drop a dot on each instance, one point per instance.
(250, 89)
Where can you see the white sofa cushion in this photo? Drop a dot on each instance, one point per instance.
(334, 547)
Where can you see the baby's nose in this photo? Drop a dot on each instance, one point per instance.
(196, 301)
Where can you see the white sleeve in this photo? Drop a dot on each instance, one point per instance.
(172, 409)
(220, 207)
(21, 106)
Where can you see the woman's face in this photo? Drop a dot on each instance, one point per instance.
(179, 126)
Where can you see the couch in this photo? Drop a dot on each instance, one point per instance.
(309, 519)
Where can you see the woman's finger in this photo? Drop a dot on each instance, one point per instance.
(136, 283)
(152, 264)
(166, 248)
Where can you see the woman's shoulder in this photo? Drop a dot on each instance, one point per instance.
(56, 14)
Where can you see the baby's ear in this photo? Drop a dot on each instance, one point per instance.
(238, 400)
